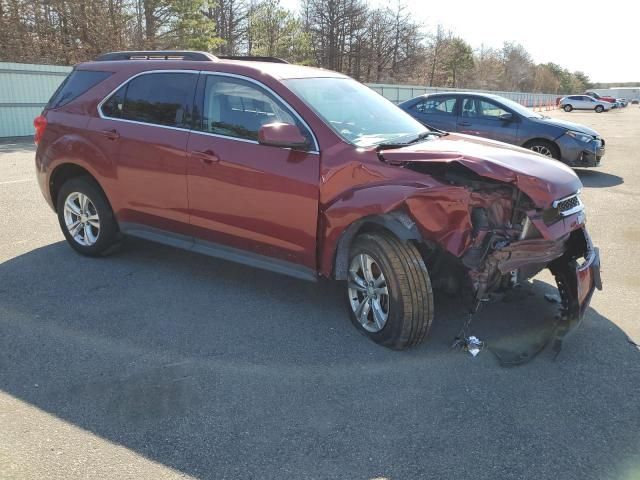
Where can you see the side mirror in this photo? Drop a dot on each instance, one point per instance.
(283, 135)
(506, 117)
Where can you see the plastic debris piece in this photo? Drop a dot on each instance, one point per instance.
(552, 298)
(474, 345)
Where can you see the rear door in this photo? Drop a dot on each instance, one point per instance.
(436, 111)
(148, 119)
(258, 198)
(481, 117)
(585, 102)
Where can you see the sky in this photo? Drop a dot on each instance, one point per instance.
(601, 39)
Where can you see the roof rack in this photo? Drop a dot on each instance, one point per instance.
(252, 58)
(157, 55)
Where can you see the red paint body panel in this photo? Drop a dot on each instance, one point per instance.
(255, 197)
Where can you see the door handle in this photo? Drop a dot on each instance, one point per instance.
(111, 134)
(465, 124)
(206, 156)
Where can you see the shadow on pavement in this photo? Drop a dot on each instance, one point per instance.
(222, 371)
(596, 179)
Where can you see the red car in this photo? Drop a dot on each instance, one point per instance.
(309, 173)
(600, 97)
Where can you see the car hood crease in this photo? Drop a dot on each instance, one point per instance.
(542, 179)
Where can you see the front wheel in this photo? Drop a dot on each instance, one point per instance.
(85, 217)
(545, 148)
(568, 108)
(599, 109)
(389, 291)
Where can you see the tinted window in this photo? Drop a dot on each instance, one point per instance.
(114, 105)
(78, 82)
(158, 98)
(237, 108)
(469, 108)
(443, 105)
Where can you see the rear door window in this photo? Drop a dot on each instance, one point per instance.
(156, 98)
(77, 83)
(160, 99)
(439, 105)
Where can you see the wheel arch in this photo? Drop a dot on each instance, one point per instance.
(64, 172)
(396, 222)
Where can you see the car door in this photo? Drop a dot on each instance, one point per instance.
(436, 111)
(482, 117)
(586, 102)
(148, 119)
(257, 198)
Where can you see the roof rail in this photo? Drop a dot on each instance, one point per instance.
(252, 58)
(157, 55)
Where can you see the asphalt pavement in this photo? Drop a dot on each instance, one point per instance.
(158, 363)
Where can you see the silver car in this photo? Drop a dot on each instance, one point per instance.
(584, 102)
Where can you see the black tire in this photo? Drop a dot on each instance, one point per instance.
(599, 109)
(410, 299)
(537, 145)
(108, 233)
(568, 108)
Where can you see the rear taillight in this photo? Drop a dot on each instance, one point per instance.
(40, 123)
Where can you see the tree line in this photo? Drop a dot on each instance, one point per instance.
(382, 44)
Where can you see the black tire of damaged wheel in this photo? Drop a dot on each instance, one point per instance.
(410, 293)
(555, 151)
(109, 231)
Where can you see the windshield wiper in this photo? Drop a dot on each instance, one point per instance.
(418, 138)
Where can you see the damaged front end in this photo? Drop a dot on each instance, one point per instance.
(512, 238)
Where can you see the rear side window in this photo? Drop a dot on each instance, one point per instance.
(155, 98)
(443, 105)
(78, 82)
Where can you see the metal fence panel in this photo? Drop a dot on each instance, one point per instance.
(24, 91)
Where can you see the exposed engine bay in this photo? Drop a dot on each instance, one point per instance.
(512, 239)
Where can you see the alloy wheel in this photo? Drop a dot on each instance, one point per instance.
(81, 219)
(542, 150)
(368, 293)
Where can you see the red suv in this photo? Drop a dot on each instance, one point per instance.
(309, 173)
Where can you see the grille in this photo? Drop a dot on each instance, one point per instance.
(569, 205)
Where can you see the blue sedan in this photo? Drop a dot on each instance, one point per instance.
(499, 118)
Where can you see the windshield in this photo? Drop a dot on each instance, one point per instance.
(516, 107)
(355, 112)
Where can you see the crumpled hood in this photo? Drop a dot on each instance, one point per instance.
(542, 179)
(576, 127)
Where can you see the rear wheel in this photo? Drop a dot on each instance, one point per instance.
(568, 108)
(544, 147)
(389, 291)
(599, 108)
(85, 217)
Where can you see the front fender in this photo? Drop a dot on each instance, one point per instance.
(412, 212)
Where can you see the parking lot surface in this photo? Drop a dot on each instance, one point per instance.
(158, 363)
